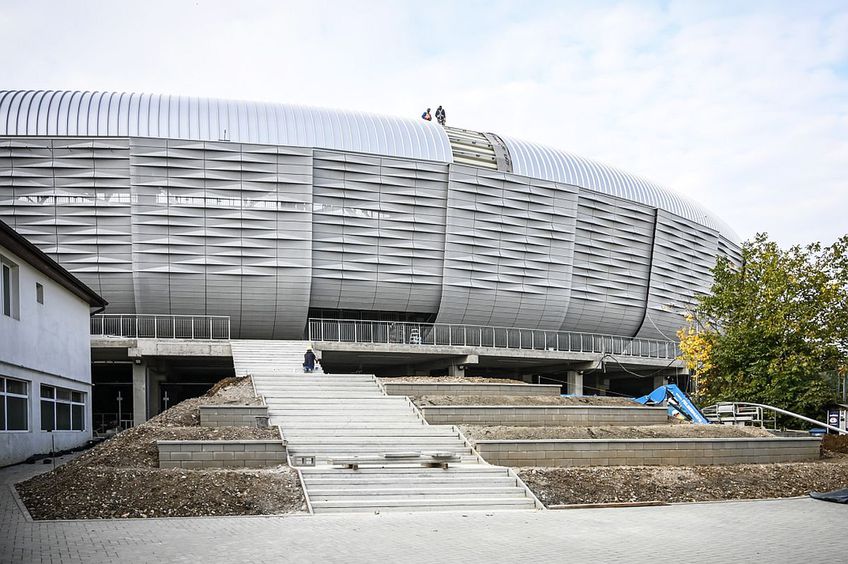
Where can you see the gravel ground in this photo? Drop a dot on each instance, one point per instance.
(422, 401)
(683, 430)
(120, 477)
(603, 484)
(448, 380)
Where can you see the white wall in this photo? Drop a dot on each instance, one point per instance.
(48, 344)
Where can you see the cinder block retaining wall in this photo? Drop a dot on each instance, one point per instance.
(231, 415)
(545, 416)
(408, 389)
(220, 454)
(648, 452)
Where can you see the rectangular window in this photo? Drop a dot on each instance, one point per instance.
(62, 409)
(14, 405)
(39, 293)
(9, 288)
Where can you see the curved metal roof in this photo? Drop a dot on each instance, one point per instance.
(124, 114)
(539, 161)
(118, 114)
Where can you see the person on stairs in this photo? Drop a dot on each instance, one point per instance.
(309, 361)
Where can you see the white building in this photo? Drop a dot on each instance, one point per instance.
(45, 355)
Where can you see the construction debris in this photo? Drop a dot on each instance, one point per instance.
(479, 433)
(423, 401)
(612, 484)
(447, 380)
(120, 477)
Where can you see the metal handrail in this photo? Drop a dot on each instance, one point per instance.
(411, 333)
(196, 327)
(781, 411)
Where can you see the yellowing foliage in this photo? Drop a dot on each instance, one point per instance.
(696, 346)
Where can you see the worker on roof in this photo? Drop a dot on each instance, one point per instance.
(441, 116)
(426, 115)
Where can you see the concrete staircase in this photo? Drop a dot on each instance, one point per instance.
(325, 416)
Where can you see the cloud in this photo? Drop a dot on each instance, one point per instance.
(739, 106)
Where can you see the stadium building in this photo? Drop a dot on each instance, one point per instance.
(271, 214)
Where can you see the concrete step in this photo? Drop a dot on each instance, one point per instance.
(339, 411)
(392, 491)
(417, 480)
(380, 402)
(450, 503)
(344, 434)
(328, 417)
(328, 425)
(416, 444)
(461, 470)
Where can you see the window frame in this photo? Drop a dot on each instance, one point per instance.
(39, 293)
(4, 394)
(54, 399)
(10, 290)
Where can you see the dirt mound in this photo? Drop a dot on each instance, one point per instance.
(447, 380)
(229, 391)
(74, 492)
(601, 484)
(680, 431)
(120, 477)
(423, 401)
(835, 443)
(136, 447)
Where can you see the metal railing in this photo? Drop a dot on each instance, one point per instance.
(397, 332)
(202, 327)
(740, 406)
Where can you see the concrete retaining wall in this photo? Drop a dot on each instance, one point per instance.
(545, 416)
(231, 415)
(648, 452)
(220, 454)
(408, 389)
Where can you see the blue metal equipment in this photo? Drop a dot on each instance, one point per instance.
(678, 403)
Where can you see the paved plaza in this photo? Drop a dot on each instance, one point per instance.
(793, 530)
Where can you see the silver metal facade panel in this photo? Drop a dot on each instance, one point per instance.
(539, 161)
(128, 114)
(263, 232)
(71, 197)
(612, 257)
(683, 256)
(379, 233)
(223, 229)
(508, 250)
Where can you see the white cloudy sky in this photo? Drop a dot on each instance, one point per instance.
(742, 106)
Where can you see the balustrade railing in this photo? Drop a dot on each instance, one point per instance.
(201, 327)
(397, 332)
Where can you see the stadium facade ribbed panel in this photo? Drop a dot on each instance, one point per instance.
(267, 212)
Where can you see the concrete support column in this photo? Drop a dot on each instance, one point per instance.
(139, 381)
(574, 382)
(155, 389)
(456, 370)
(660, 380)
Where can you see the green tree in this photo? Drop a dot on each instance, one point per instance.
(772, 327)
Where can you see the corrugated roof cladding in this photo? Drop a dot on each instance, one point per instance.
(122, 114)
